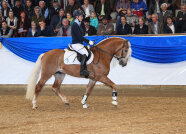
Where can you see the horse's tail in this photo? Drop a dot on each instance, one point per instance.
(33, 79)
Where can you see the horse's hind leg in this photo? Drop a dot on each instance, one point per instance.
(59, 77)
(90, 86)
(38, 88)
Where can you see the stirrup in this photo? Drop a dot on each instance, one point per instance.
(84, 73)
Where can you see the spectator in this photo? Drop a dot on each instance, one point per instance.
(88, 8)
(23, 25)
(1, 19)
(70, 19)
(105, 28)
(124, 28)
(65, 30)
(181, 20)
(132, 19)
(121, 7)
(37, 17)
(72, 6)
(171, 5)
(154, 7)
(55, 9)
(155, 27)
(94, 20)
(5, 9)
(169, 27)
(33, 31)
(45, 30)
(44, 11)
(141, 28)
(164, 13)
(103, 9)
(56, 20)
(183, 2)
(12, 20)
(29, 10)
(5, 31)
(88, 29)
(139, 8)
(18, 8)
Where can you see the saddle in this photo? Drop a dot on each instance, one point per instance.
(73, 57)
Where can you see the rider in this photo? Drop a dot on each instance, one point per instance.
(77, 41)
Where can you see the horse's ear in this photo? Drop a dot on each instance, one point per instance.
(127, 40)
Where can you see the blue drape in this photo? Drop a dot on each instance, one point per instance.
(163, 49)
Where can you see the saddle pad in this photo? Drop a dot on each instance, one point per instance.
(70, 57)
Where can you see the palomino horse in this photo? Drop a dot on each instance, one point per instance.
(52, 63)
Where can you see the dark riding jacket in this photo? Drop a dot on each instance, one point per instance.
(77, 33)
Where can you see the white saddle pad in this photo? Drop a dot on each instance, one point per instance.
(70, 57)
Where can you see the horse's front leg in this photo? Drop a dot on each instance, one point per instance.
(108, 82)
(90, 86)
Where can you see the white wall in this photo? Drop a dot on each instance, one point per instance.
(15, 70)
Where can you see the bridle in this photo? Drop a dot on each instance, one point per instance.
(113, 55)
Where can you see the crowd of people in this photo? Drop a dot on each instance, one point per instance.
(35, 18)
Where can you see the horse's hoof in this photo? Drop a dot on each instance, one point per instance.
(115, 103)
(67, 104)
(34, 107)
(85, 106)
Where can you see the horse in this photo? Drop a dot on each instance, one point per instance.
(51, 63)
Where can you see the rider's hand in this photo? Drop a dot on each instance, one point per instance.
(91, 43)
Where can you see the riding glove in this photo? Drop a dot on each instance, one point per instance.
(91, 43)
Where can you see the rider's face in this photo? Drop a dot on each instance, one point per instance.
(80, 18)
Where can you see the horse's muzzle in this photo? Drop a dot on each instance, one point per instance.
(122, 62)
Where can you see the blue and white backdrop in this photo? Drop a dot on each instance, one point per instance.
(156, 60)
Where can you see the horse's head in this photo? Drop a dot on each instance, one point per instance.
(123, 53)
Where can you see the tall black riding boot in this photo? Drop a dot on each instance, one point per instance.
(83, 70)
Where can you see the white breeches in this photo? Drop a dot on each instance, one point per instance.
(80, 49)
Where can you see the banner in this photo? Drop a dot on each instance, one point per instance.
(155, 49)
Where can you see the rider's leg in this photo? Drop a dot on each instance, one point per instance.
(82, 50)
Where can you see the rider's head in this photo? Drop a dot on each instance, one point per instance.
(78, 14)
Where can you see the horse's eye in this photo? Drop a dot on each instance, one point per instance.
(126, 51)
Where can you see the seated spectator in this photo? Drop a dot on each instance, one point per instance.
(37, 17)
(29, 9)
(55, 9)
(56, 20)
(94, 20)
(72, 6)
(105, 28)
(33, 31)
(164, 13)
(44, 11)
(124, 28)
(88, 29)
(1, 19)
(170, 27)
(139, 8)
(12, 20)
(70, 19)
(103, 9)
(171, 5)
(87, 8)
(23, 25)
(17, 8)
(155, 27)
(121, 7)
(65, 30)
(132, 19)
(45, 30)
(181, 20)
(5, 31)
(5, 9)
(141, 28)
(154, 7)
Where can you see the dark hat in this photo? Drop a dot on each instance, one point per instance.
(87, 19)
(104, 17)
(18, 0)
(55, 1)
